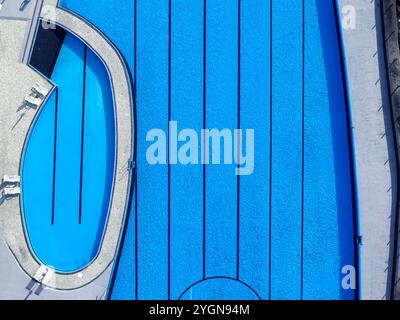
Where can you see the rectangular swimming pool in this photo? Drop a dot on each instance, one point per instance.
(200, 232)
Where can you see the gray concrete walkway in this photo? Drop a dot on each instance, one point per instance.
(375, 158)
(15, 284)
(11, 10)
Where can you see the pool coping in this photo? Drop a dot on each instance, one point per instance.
(374, 149)
(123, 110)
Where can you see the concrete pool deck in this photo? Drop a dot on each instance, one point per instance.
(10, 10)
(374, 147)
(16, 126)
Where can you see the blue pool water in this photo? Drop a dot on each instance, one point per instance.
(284, 232)
(68, 163)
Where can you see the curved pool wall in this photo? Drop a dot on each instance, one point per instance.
(287, 230)
(68, 163)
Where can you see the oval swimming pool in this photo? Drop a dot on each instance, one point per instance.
(68, 163)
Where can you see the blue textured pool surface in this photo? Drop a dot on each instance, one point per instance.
(284, 232)
(68, 162)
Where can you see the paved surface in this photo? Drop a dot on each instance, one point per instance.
(14, 127)
(30, 31)
(375, 158)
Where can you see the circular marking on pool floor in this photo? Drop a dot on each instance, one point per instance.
(219, 288)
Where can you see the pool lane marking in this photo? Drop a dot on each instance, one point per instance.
(82, 131)
(238, 149)
(204, 127)
(302, 155)
(270, 154)
(169, 144)
(54, 157)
